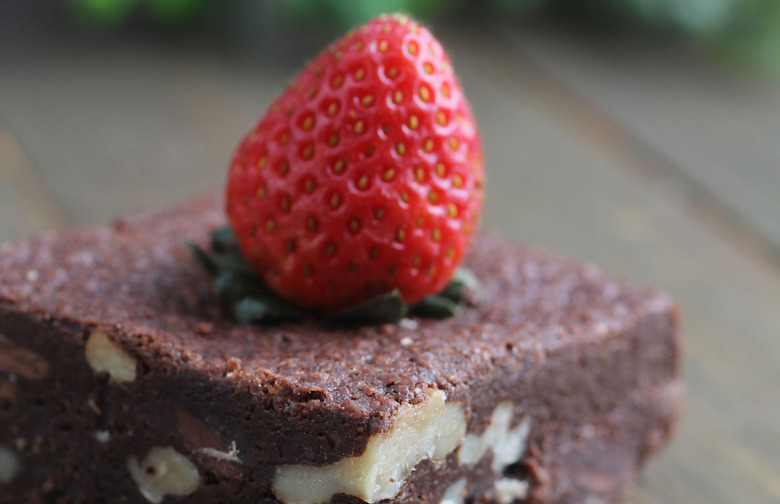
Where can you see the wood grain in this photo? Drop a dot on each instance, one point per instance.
(718, 130)
(551, 186)
(26, 205)
(141, 130)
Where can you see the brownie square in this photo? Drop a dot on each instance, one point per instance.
(124, 379)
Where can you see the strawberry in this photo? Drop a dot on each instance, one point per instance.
(364, 176)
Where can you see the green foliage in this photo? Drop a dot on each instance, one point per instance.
(349, 13)
(747, 29)
(103, 13)
(174, 11)
(106, 14)
(755, 32)
(519, 7)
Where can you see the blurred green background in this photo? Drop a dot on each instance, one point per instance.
(747, 31)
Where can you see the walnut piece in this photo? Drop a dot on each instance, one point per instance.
(196, 433)
(455, 493)
(163, 472)
(431, 429)
(510, 490)
(507, 445)
(18, 360)
(9, 465)
(105, 356)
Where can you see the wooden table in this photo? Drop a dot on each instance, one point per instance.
(645, 160)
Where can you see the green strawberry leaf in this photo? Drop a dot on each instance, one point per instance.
(437, 307)
(203, 258)
(223, 239)
(464, 287)
(251, 310)
(232, 260)
(254, 302)
(382, 309)
(234, 285)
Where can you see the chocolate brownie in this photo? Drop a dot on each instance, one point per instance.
(123, 379)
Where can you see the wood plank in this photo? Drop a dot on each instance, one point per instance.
(115, 134)
(26, 207)
(145, 127)
(718, 129)
(549, 185)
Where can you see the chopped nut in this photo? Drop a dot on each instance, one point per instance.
(196, 434)
(9, 465)
(506, 444)
(455, 493)
(510, 490)
(163, 472)
(104, 356)
(18, 360)
(431, 429)
(93, 406)
(228, 456)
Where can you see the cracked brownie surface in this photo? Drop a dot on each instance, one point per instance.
(124, 379)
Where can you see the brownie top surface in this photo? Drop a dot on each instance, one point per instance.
(137, 278)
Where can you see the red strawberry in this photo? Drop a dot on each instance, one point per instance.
(364, 176)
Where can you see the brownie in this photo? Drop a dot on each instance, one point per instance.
(124, 379)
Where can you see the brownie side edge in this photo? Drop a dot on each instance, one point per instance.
(515, 350)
